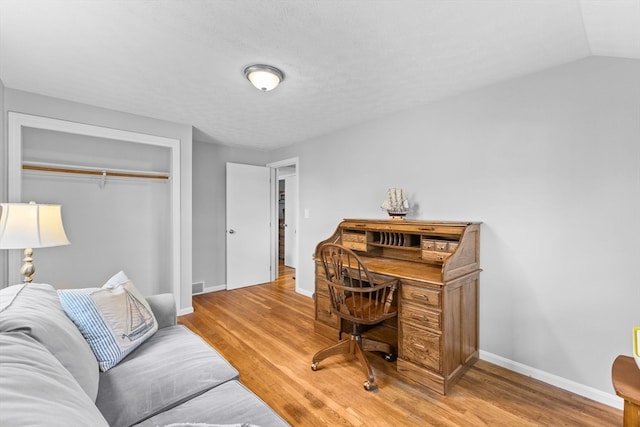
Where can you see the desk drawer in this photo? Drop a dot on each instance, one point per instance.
(356, 246)
(421, 347)
(354, 237)
(355, 241)
(421, 317)
(434, 256)
(421, 296)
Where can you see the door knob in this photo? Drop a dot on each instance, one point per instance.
(231, 231)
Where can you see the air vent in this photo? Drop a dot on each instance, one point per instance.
(197, 288)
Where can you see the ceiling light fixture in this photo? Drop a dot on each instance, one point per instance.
(264, 77)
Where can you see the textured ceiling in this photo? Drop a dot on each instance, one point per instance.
(345, 61)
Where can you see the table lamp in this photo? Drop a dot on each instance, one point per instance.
(30, 225)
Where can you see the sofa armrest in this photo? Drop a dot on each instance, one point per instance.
(164, 309)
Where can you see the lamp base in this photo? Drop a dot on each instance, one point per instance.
(27, 268)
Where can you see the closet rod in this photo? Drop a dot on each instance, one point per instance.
(92, 172)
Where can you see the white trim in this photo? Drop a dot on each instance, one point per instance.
(304, 292)
(286, 162)
(563, 383)
(185, 311)
(273, 200)
(215, 288)
(18, 121)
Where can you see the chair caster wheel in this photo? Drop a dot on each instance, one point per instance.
(314, 366)
(390, 357)
(369, 386)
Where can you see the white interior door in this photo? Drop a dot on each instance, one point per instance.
(290, 221)
(248, 225)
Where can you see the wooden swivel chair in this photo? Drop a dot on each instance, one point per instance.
(358, 300)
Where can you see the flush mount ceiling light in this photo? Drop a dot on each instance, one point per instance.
(264, 77)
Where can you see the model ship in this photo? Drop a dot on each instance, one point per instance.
(396, 203)
(139, 321)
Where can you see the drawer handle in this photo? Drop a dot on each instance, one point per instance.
(423, 318)
(420, 346)
(425, 297)
(427, 229)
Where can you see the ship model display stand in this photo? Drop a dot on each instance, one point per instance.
(437, 264)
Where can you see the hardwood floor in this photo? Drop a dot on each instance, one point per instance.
(266, 332)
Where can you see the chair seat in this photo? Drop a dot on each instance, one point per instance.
(366, 312)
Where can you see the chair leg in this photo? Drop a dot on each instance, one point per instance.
(369, 384)
(357, 346)
(343, 347)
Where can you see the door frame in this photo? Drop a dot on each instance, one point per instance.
(19, 121)
(294, 161)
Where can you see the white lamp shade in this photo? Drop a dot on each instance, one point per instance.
(29, 225)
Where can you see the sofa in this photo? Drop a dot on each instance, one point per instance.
(49, 374)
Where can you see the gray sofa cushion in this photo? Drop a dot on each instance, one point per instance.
(36, 310)
(170, 367)
(164, 309)
(36, 390)
(229, 403)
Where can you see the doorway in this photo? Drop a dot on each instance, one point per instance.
(285, 210)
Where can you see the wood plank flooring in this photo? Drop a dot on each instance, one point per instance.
(266, 332)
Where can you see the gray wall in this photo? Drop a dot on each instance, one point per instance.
(551, 164)
(121, 225)
(34, 104)
(209, 208)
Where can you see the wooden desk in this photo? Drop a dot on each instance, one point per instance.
(626, 381)
(437, 267)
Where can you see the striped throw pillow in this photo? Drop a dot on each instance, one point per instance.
(114, 319)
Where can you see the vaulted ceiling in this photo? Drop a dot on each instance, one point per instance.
(345, 61)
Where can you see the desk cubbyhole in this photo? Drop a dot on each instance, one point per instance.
(396, 239)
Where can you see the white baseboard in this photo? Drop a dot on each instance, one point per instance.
(214, 288)
(184, 311)
(563, 383)
(304, 292)
(224, 287)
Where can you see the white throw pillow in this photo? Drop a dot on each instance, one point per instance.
(114, 319)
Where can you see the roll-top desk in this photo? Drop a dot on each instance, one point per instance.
(438, 267)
